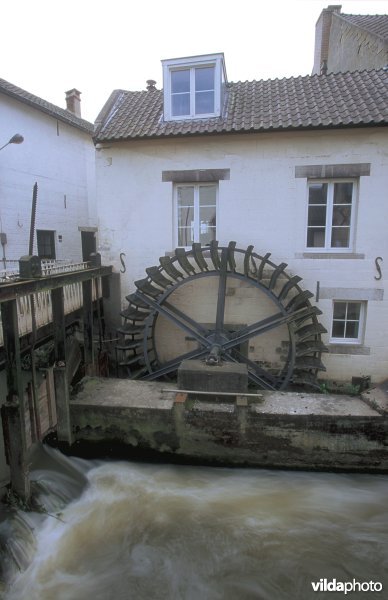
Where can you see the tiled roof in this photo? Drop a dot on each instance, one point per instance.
(51, 109)
(375, 24)
(317, 101)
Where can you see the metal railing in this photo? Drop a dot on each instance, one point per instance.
(73, 299)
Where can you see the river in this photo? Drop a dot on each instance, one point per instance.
(120, 531)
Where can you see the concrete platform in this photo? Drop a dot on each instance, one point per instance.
(280, 429)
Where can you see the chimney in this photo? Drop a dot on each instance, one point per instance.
(151, 83)
(322, 38)
(73, 102)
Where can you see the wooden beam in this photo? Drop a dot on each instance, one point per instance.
(61, 383)
(13, 411)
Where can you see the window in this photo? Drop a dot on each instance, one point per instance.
(196, 213)
(192, 91)
(46, 243)
(348, 322)
(193, 87)
(330, 214)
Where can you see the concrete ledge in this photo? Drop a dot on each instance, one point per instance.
(377, 398)
(284, 430)
(226, 377)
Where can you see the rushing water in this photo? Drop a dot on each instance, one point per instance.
(119, 531)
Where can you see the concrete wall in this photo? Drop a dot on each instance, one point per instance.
(264, 204)
(353, 49)
(280, 430)
(60, 158)
(342, 46)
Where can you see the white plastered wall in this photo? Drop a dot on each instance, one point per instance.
(262, 203)
(60, 158)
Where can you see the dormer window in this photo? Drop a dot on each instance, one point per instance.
(193, 87)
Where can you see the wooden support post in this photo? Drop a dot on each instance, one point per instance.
(13, 411)
(62, 403)
(88, 326)
(61, 383)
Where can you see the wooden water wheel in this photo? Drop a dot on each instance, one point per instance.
(222, 304)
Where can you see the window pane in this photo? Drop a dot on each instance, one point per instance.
(206, 238)
(204, 78)
(338, 329)
(341, 215)
(352, 329)
(317, 215)
(204, 103)
(317, 193)
(185, 216)
(340, 237)
(343, 192)
(185, 236)
(339, 310)
(180, 104)
(46, 243)
(316, 237)
(354, 309)
(186, 196)
(207, 195)
(207, 218)
(180, 81)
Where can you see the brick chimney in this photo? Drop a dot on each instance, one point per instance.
(322, 38)
(73, 102)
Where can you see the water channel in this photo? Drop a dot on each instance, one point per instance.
(120, 531)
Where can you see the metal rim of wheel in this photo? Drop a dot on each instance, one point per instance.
(216, 343)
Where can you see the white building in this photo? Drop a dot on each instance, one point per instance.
(58, 154)
(297, 167)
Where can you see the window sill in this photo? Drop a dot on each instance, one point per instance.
(348, 349)
(331, 255)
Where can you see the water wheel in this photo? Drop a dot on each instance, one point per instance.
(222, 304)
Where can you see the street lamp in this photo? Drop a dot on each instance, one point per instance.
(15, 139)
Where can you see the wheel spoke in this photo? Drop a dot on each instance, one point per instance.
(221, 295)
(172, 365)
(179, 318)
(263, 326)
(256, 373)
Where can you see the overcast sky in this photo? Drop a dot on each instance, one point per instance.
(48, 47)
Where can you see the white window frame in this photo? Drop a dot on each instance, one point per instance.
(329, 215)
(211, 60)
(196, 187)
(361, 327)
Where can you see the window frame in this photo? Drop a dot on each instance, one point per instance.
(330, 182)
(216, 61)
(196, 186)
(359, 340)
(52, 234)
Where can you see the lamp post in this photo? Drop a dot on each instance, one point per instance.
(15, 139)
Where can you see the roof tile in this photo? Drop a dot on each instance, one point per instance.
(375, 24)
(333, 100)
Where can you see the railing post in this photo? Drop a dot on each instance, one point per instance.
(88, 326)
(13, 411)
(61, 383)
